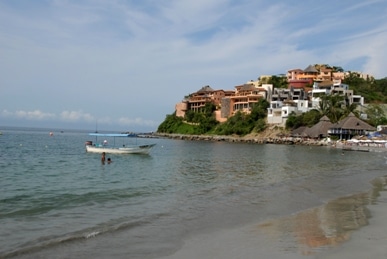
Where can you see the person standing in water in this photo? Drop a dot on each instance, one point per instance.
(103, 158)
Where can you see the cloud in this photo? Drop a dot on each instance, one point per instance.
(136, 122)
(76, 116)
(29, 115)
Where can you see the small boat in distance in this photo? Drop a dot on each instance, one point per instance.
(112, 149)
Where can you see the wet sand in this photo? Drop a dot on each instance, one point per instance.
(347, 227)
(369, 241)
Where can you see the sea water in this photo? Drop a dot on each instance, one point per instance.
(57, 201)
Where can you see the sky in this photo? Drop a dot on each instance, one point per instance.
(122, 65)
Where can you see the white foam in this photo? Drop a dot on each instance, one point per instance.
(92, 234)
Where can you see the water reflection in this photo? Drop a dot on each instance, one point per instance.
(325, 226)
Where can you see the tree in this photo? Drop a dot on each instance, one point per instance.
(170, 124)
(258, 115)
(189, 116)
(293, 121)
(209, 109)
(376, 115)
(259, 110)
(278, 81)
(350, 108)
(308, 119)
(353, 79)
(331, 106)
(337, 69)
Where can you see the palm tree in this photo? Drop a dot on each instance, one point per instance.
(350, 108)
(323, 105)
(335, 109)
(331, 106)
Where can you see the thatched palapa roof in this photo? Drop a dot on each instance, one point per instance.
(351, 122)
(300, 132)
(318, 130)
(321, 128)
(206, 88)
(310, 69)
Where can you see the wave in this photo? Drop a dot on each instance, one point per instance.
(50, 242)
(37, 204)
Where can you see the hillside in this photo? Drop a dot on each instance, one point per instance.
(203, 122)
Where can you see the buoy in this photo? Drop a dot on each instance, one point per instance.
(51, 133)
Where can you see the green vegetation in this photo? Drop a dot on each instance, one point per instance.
(204, 122)
(193, 123)
(373, 91)
(376, 115)
(308, 119)
(278, 81)
(333, 106)
(242, 123)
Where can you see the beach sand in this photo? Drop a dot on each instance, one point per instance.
(348, 227)
(369, 241)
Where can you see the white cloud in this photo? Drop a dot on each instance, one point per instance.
(79, 117)
(76, 116)
(29, 115)
(136, 122)
(33, 115)
(6, 113)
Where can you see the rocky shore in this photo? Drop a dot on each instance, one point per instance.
(251, 138)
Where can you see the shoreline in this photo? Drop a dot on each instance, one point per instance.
(285, 140)
(253, 139)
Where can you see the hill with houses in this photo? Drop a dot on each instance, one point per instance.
(278, 101)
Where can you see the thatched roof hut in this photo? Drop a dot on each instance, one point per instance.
(351, 122)
(205, 89)
(320, 130)
(300, 132)
(350, 126)
(311, 69)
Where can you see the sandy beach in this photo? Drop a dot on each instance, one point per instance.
(348, 227)
(369, 241)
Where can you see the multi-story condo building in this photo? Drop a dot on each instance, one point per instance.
(329, 88)
(284, 102)
(227, 102)
(197, 101)
(244, 98)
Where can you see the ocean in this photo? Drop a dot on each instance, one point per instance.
(57, 201)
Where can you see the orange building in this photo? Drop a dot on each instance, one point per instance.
(198, 100)
(227, 102)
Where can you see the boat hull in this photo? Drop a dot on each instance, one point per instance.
(142, 149)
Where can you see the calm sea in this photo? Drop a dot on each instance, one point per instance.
(57, 201)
